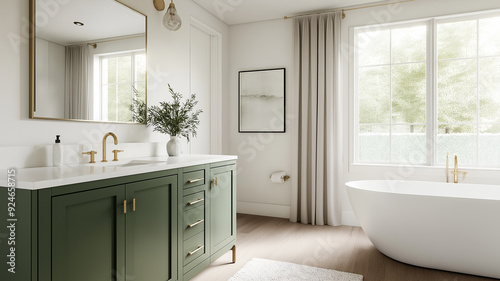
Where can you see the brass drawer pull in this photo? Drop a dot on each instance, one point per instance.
(196, 223)
(197, 249)
(124, 206)
(133, 204)
(195, 180)
(196, 201)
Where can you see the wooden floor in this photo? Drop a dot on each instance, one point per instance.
(342, 248)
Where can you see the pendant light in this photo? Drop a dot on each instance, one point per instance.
(171, 20)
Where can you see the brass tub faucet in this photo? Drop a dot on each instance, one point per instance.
(455, 171)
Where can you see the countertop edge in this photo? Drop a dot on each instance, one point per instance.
(190, 160)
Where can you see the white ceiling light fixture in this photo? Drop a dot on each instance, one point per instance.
(171, 20)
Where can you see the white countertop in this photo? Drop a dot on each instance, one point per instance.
(46, 177)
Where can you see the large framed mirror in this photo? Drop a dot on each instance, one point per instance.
(87, 61)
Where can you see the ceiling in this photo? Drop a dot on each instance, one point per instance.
(245, 11)
(102, 19)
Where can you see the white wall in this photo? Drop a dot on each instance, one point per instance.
(258, 45)
(50, 65)
(270, 44)
(414, 10)
(201, 84)
(261, 45)
(168, 62)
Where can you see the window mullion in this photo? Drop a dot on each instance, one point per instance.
(101, 84)
(103, 97)
(432, 99)
(117, 88)
(390, 96)
(355, 106)
(477, 94)
(132, 84)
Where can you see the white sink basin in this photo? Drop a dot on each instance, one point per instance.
(126, 163)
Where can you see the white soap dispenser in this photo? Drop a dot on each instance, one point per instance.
(57, 153)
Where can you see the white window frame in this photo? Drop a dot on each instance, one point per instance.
(431, 98)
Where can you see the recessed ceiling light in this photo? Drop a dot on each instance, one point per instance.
(77, 23)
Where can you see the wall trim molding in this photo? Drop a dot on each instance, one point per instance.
(260, 209)
(215, 82)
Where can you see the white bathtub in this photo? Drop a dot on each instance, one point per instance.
(453, 227)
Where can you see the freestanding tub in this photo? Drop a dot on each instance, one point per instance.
(453, 227)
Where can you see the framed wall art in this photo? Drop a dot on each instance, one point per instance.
(261, 101)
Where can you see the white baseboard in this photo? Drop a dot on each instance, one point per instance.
(260, 209)
(349, 218)
(280, 211)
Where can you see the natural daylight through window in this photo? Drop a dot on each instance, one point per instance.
(123, 79)
(426, 88)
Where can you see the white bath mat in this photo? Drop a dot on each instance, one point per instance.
(267, 270)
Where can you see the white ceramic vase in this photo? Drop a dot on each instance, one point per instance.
(174, 146)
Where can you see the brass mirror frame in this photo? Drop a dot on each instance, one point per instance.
(32, 69)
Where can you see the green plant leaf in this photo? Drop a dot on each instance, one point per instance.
(175, 118)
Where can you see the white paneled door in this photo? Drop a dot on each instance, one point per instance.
(205, 60)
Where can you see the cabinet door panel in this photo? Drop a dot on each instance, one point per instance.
(222, 206)
(150, 230)
(88, 235)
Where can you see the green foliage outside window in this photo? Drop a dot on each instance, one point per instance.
(392, 81)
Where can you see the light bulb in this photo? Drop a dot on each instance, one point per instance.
(171, 19)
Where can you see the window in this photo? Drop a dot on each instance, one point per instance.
(391, 90)
(424, 89)
(123, 81)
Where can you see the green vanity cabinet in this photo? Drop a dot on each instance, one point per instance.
(222, 208)
(20, 265)
(194, 221)
(207, 216)
(151, 236)
(163, 225)
(88, 234)
(123, 232)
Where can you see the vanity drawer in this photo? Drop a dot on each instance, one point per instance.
(194, 248)
(194, 178)
(194, 200)
(194, 222)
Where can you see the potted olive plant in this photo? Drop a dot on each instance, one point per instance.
(176, 119)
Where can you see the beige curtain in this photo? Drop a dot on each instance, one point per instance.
(315, 194)
(77, 88)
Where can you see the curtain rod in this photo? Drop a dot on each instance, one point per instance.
(94, 44)
(350, 9)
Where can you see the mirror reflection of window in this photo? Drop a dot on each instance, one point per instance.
(122, 80)
(65, 53)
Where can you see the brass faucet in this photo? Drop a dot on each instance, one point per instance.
(115, 154)
(92, 154)
(455, 171)
(104, 144)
